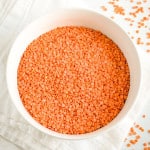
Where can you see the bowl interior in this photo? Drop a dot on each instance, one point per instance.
(76, 17)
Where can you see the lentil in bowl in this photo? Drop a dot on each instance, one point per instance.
(70, 77)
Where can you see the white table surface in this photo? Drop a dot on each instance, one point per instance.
(144, 122)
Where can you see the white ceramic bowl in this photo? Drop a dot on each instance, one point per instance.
(76, 17)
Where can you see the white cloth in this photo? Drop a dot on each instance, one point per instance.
(14, 15)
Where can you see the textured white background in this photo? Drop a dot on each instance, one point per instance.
(14, 16)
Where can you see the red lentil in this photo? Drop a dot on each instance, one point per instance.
(73, 80)
(144, 144)
(139, 3)
(128, 145)
(138, 137)
(141, 129)
(146, 148)
(148, 35)
(147, 43)
(119, 10)
(139, 41)
(103, 8)
(112, 17)
(132, 132)
(143, 116)
(131, 24)
(148, 50)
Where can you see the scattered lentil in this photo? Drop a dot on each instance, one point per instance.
(148, 35)
(132, 132)
(112, 17)
(141, 129)
(139, 3)
(148, 131)
(143, 116)
(148, 50)
(103, 8)
(128, 145)
(137, 31)
(119, 10)
(131, 24)
(139, 41)
(144, 144)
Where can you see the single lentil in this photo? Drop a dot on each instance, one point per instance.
(103, 8)
(148, 131)
(143, 116)
(73, 80)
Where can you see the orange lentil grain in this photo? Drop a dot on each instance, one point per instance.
(148, 35)
(131, 24)
(119, 10)
(143, 116)
(132, 142)
(146, 148)
(141, 129)
(137, 125)
(112, 17)
(144, 19)
(134, 7)
(128, 145)
(103, 8)
(144, 144)
(111, 2)
(133, 14)
(128, 19)
(140, 9)
(138, 137)
(141, 23)
(73, 80)
(139, 41)
(148, 130)
(139, 3)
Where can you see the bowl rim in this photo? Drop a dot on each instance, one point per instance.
(68, 136)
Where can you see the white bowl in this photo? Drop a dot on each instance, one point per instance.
(76, 17)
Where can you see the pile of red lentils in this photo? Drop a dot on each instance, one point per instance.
(73, 80)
